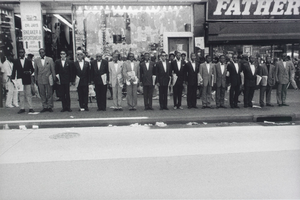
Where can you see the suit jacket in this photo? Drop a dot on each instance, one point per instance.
(28, 68)
(127, 68)
(180, 73)
(146, 75)
(66, 72)
(83, 74)
(41, 72)
(162, 76)
(271, 74)
(191, 74)
(249, 77)
(221, 77)
(234, 76)
(207, 76)
(283, 74)
(97, 73)
(113, 74)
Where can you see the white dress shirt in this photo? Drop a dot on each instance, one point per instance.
(252, 68)
(178, 64)
(132, 66)
(194, 65)
(284, 64)
(236, 67)
(165, 65)
(208, 67)
(222, 68)
(22, 62)
(99, 64)
(147, 65)
(63, 63)
(43, 61)
(116, 66)
(81, 64)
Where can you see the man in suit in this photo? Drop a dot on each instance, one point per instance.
(163, 76)
(221, 72)
(178, 69)
(44, 76)
(207, 73)
(250, 72)
(268, 70)
(283, 77)
(147, 71)
(82, 74)
(116, 81)
(131, 74)
(192, 70)
(234, 69)
(23, 67)
(100, 77)
(64, 70)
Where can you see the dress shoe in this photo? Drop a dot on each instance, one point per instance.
(203, 107)
(262, 105)
(166, 108)
(236, 106)
(69, 110)
(21, 111)
(9, 106)
(209, 107)
(181, 108)
(231, 106)
(50, 110)
(86, 109)
(17, 106)
(99, 109)
(223, 106)
(280, 105)
(115, 109)
(175, 107)
(189, 107)
(31, 111)
(160, 108)
(285, 104)
(63, 110)
(217, 107)
(195, 107)
(150, 108)
(270, 105)
(44, 110)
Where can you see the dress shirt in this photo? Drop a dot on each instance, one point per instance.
(43, 61)
(252, 68)
(165, 65)
(81, 64)
(22, 62)
(178, 64)
(284, 64)
(208, 66)
(99, 64)
(194, 66)
(147, 65)
(236, 67)
(132, 66)
(63, 62)
(222, 68)
(116, 66)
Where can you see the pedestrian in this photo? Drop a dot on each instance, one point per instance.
(116, 81)
(283, 77)
(45, 76)
(131, 74)
(207, 73)
(267, 72)
(163, 77)
(221, 74)
(234, 69)
(178, 70)
(12, 91)
(100, 77)
(64, 70)
(82, 80)
(147, 74)
(250, 71)
(192, 71)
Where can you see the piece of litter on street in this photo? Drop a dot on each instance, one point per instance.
(192, 123)
(268, 122)
(35, 126)
(82, 109)
(205, 123)
(33, 113)
(110, 125)
(22, 127)
(71, 116)
(254, 106)
(134, 125)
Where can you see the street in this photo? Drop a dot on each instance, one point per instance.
(140, 162)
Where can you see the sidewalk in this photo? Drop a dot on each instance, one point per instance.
(76, 118)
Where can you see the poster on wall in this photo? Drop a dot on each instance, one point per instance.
(199, 42)
(247, 50)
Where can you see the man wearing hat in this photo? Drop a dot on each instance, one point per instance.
(100, 77)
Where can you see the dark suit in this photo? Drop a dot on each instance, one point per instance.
(83, 85)
(163, 78)
(235, 83)
(192, 83)
(221, 84)
(24, 73)
(146, 79)
(178, 86)
(249, 83)
(66, 76)
(100, 87)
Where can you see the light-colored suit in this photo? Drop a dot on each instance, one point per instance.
(116, 81)
(42, 74)
(207, 77)
(283, 77)
(131, 87)
(271, 74)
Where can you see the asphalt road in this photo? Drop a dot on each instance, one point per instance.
(249, 162)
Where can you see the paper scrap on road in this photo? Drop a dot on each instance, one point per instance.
(192, 123)
(205, 123)
(160, 124)
(35, 126)
(33, 113)
(22, 127)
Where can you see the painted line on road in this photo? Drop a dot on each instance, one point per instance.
(73, 120)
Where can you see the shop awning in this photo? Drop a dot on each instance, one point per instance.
(246, 31)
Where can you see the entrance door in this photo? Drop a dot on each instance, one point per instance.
(180, 44)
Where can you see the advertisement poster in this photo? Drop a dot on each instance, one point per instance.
(199, 42)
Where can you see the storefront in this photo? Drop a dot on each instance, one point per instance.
(253, 27)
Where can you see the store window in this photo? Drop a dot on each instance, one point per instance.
(127, 28)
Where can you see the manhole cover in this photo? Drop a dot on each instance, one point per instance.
(65, 135)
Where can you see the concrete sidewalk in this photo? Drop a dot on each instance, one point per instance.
(9, 116)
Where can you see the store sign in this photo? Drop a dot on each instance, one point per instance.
(32, 36)
(253, 9)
